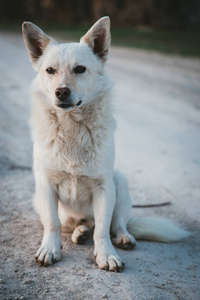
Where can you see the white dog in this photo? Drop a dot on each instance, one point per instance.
(73, 126)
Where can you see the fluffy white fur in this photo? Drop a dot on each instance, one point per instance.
(76, 188)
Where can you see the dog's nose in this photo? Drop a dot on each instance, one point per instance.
(62, 93)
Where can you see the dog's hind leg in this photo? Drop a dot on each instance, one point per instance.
(81, 227)
(81, 234)
(122, 214)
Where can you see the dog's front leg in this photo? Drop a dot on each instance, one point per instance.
(46, 204)
(103, 203)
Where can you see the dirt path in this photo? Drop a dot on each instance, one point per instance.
(157, 102)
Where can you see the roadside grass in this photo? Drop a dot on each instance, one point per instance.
(172, 42)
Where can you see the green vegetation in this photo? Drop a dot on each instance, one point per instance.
(182, 43)
(172, 42)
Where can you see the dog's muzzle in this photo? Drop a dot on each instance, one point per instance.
(63, 95)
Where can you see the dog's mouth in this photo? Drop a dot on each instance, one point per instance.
(65, 105)
(69, 105)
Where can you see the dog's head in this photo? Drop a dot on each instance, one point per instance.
(71, 74)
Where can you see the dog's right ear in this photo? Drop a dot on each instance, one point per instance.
(35, 40)
(98, 38)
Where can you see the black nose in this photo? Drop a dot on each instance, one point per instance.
(62, 93)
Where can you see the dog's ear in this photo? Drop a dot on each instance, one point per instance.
(35, 40)
(98, 38)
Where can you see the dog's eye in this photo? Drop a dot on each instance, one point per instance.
(79, 70)
(50, 70)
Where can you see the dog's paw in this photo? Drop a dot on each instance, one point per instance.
(110, 263)
(107, 258)
(125, 241)
(49, 252)
(80, 235)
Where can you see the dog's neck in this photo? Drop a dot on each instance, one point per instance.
(75, 140)
(94, 115)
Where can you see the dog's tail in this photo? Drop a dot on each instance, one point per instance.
(156, 229)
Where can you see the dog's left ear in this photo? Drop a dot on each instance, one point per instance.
(98, 38)
(35, 40)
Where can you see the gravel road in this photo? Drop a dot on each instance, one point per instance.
(157, 108)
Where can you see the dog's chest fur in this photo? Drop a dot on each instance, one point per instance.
(74, 147)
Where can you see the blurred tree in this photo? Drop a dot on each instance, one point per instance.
(177, 14)
(163, 14)
(10, 10)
